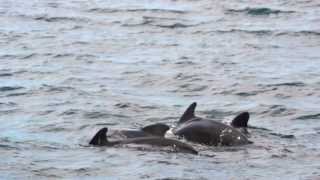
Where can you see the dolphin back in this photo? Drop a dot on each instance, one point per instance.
(160, 141)
(212, 133)
(157, 129)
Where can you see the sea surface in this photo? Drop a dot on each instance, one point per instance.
(71, 67)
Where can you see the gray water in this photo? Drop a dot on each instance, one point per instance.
(68, 68)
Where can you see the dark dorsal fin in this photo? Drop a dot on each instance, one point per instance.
(241, 120)
(100, 138)
(189, 113)
(157, 129)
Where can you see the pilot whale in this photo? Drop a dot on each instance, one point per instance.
(210, 132)
(157, 129)
(100, 139)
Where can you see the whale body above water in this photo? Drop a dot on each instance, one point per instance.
(210, 132)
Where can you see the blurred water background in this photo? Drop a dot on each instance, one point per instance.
(68, 68)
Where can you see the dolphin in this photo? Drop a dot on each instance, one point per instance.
(157, 129)
(210, 132)
(100, 139)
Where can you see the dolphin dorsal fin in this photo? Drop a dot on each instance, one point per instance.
(189, 113)
(241, 120)
(100, 138)
(157, 129)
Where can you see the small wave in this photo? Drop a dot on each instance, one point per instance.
(217, 114)
(5, 143)
(253, 92)
(99, 115)
(123, 105)
(8, 104)
(70, 112)
(6, 74)
(54, 89)
(11, 111)
(8, 56)
(110, 10)
(175, 25)
(129, 105)
(59, 19)
(185, 62)
(135, 24)
(16, 94)
(258, 11)
(10, 88)
(299, 33)
(186, 77)
(53, 4)
(53, 128)
(95, 115)
(156, 18)
(158, 120)
(7, 147)
(290, 84)
(63, 55)
(85, 57)
(278, 111)
(44, 113)
(256, 32)
(306, 117)
(171, 178)
(153, 22)
(286, 136)
(46, 173)
(106, 124)
(190, 88)
(164, 162)
(19, 56)
(247, 94)
(29, 56)
(80, 43)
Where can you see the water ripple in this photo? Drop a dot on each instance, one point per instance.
(289, 84)
(175, 25)
(277, 110)
(110, 10)
(308, 117)
(70, 112)
(299, 33)
(10, 88)
(99, 115)
(216, 114)
(251, 93)
(256, 32)
(16, 94)
(47, 18)
(261, 32)
(6, 74)
(55, 89)
(259, 11)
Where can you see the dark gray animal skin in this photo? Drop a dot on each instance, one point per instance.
(157, 129)
(100, 139)
(210, 132)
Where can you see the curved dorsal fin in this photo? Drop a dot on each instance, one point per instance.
(100, 138)
(241, 120)
(189, 113)
(157, 129)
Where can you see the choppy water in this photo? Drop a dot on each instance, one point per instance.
(68, 68)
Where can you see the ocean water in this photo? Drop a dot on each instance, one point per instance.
(69, 68)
